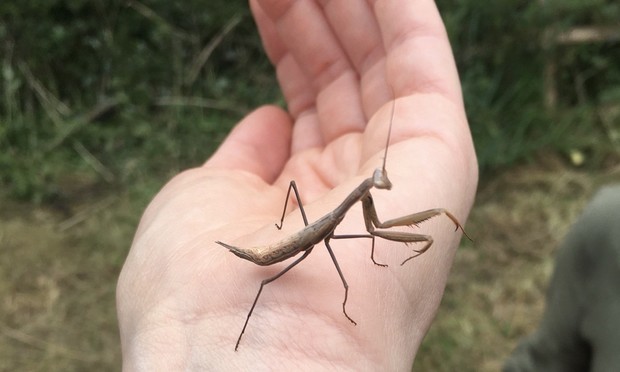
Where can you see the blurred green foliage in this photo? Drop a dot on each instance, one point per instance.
(502, 55)
(125, 81)
(153, 86)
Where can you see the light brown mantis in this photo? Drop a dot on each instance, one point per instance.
(323, 230)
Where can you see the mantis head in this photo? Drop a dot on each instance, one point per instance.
(380, 179)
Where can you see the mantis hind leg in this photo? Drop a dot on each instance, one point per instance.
(262, 284)
(293, 186)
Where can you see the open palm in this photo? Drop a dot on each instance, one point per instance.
(182, 299)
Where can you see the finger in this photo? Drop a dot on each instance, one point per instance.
(357, 30)
(299, 92)
(316, 53)
(259, 144)
(420, 58)
(305, 33)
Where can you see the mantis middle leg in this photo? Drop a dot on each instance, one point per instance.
(293, 186)
(355, 236)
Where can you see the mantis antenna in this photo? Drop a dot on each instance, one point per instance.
(387, 142)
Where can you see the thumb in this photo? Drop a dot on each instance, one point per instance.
(259, 144)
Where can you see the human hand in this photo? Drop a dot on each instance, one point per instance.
(182, 299)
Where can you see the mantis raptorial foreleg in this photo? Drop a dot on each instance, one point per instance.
(372, 223)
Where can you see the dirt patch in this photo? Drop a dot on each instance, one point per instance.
(57, 286)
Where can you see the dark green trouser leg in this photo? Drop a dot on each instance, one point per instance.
(580, 329)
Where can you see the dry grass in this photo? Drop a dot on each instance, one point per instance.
(58, 276)
(57, 288)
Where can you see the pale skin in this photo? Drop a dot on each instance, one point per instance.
(182, 299)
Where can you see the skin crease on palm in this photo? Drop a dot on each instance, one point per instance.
(182, 299)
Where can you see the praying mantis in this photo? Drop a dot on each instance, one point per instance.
(323, 230)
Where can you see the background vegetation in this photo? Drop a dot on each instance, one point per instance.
(101, 101)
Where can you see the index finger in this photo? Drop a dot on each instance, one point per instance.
(419, 55)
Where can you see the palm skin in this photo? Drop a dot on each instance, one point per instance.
(182, 299)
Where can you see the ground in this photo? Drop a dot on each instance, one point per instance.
(60, 264)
